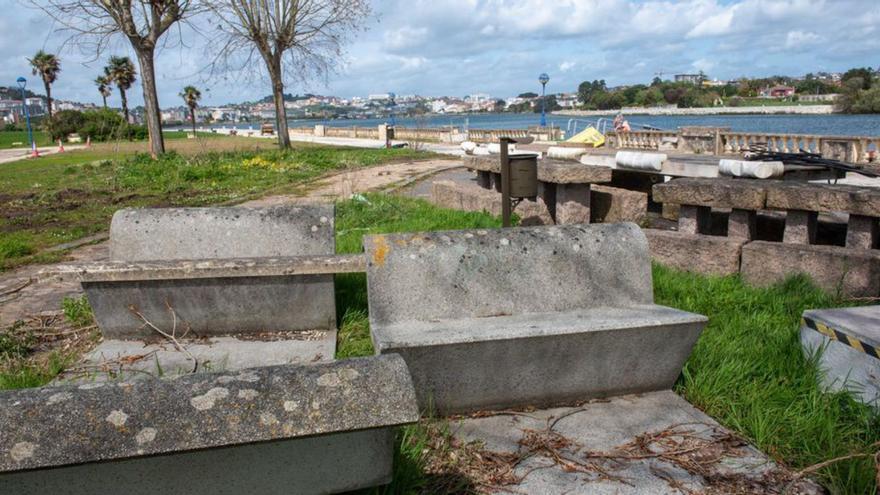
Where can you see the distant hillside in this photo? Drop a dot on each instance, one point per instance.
(10, 93)
(287, 97)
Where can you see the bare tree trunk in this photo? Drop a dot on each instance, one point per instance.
(280, 111)
(151, 101)
(48, 98)
(192, 115)
(105, 100)
(124, 104)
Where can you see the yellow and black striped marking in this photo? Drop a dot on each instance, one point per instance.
(841, 337)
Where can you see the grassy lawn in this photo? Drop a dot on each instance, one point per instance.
(9, 139)
(64, 197)
(747, 370)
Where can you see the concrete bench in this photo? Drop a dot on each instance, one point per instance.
(526, 316)
(848, 340)
(215, 305)
(324, 428)
(251, 286)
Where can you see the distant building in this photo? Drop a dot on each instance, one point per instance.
(380, 97)
(778, 92)
(689, 78)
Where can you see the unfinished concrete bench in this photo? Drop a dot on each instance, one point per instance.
(489, 319)
(253, 286)
(848, 343)
(325, 428)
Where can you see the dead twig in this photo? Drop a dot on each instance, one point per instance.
(17, 288)
(172, 337)
(822, 465)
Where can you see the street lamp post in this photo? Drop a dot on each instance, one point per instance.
(22, 83)
(543, 79)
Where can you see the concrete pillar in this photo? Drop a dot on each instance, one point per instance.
(484, 179)
(694, 219)
(383, 132)
(320, 130)
(496, 181)
(862, 232)
(547, 193)
(800, 227)
(572, 203)
(742, 224)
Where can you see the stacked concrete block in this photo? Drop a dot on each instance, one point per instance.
(526, 316)
(323, 428)
(850, 270)
(564, 186)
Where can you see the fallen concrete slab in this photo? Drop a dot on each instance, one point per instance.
(635, 444)
(324, 428)
(848, 341)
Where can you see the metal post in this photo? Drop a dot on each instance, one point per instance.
(27, 116)
(543, 104)
(505, 182)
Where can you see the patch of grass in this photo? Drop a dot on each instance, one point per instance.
(748, 372)
(21, 373)
(14, 246)
(77, 311)
(10, 139)
(65, 197)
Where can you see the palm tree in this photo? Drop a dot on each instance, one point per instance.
(122, 72)
(104, 83)
(191, 96)
(47, 66)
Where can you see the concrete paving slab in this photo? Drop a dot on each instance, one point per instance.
(128, 360)
(635, 444)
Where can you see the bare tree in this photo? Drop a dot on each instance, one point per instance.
(298, 38)
(93, 23)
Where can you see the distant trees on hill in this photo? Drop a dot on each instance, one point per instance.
(861, 92)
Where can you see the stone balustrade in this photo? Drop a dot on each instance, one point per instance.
(854, 149)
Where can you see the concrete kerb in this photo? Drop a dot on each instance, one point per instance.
(269, 430)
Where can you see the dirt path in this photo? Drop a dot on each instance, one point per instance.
(24, 295)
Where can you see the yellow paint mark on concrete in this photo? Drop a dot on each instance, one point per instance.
(381, 251)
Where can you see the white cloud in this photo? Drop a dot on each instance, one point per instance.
(801, 39)
(456, 47)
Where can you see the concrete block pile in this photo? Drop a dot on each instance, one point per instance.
(851, 267)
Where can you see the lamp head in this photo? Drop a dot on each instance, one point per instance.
(22, 82)
(543, 78)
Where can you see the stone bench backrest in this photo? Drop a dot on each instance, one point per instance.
(60, 426)
(484, 273)
(155, 234)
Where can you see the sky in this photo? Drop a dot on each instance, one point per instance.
(499, 47)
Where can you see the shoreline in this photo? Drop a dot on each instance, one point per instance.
(664, 111)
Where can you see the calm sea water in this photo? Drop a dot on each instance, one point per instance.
(839, 125)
